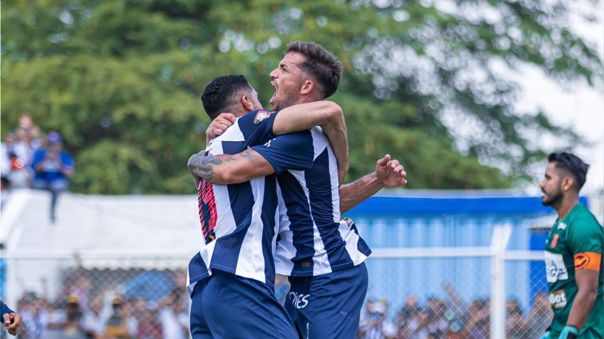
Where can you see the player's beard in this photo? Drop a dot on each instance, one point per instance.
(551, 199)
(288, 100)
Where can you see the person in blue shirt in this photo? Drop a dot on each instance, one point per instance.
(12, 319)
(52, 167)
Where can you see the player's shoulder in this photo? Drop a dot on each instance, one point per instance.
(583, 220)
(255, 117)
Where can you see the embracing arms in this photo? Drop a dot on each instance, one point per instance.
(324, 113)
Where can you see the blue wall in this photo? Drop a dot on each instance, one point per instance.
(450, 221)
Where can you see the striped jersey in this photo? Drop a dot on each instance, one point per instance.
(239, 221)
(312, 239)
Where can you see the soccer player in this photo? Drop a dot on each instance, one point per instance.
(573, 253)
(323, 256)
(12, 320)
(231, 279)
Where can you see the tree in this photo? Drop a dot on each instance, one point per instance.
(121, 80)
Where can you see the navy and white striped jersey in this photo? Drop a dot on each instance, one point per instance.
(312, 238)
(239, 221)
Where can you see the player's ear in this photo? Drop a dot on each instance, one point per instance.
(307, 87)
(247, 103)
(568, 181)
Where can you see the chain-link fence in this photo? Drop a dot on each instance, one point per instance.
(452, 292)
(422, 293)
(113, 297)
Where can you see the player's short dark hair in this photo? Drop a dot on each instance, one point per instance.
(320, 64)
(222, 92)
(572, 163)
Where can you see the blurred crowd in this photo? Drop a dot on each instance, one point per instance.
(31, 159)
(451, 318)
(153, 305)
(86, 308)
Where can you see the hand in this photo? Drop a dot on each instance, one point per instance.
(390, 172)
(12, 322)
(569, 332)
(219, 125)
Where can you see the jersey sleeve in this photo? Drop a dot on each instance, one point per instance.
(4, 309)
(585, 242)
(288, 151)
(257, 126)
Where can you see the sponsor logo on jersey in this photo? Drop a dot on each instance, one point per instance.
(554, 267)
(554, 242)
(557, 299)
(561, 226)
(261, 115)
(299, 300)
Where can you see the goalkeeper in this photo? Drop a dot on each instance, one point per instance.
(573, 253)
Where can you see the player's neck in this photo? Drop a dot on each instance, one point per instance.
(303, 99)
(566, 205)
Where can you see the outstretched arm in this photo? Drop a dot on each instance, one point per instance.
(229, 168)
(388, 173)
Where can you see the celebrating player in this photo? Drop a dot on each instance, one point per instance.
(573, 253)
(323, 256)
(232, 277)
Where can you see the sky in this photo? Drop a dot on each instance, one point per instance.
(574, 104)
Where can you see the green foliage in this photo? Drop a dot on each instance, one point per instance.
(121, 80)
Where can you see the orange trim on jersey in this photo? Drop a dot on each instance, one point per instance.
(588, 261)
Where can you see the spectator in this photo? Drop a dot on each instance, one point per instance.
(5, 169)
(26, 142)
(540, 317)
(407, 317)
(117, 324)
(173, 317)
(34, 312)
(68, 324)
(374, 324)
(52, 167)
(439, 325)
(94, 318)
(32, 132)
(14, 166)
(148, 325)
(421, 328)
(515, 324)
(478, 324)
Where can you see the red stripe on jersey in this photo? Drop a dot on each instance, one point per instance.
(206, 205)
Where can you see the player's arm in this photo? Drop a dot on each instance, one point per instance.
(324, 113)
(12, 320)
(587, 270)
(585, 242)
(388, 173)
(229, 168)
(290, 151)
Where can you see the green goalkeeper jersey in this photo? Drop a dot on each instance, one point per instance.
(574, 243)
